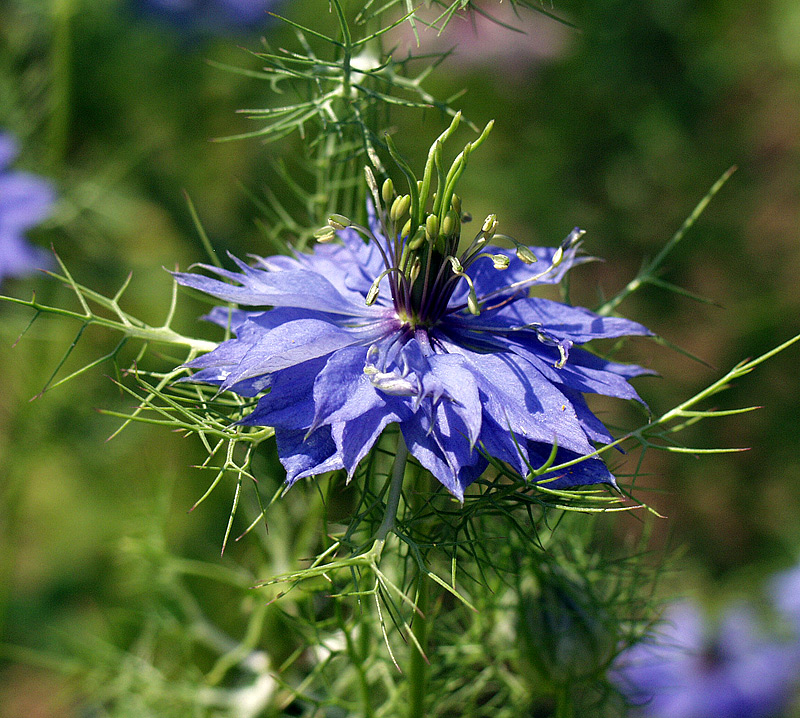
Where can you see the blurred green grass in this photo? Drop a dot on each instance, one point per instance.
(621, 131)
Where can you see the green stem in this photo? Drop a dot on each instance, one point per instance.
(395, 490)
(60, 82)
(356, 661)
(418, 663)
(564, 705)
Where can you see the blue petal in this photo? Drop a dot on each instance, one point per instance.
(521, 401)
(584, 473)
(461, 389)
(290, 401)
(449, 459)
(354, 439)
(342, 392)
(486, 278)
(25, 201)
(573, 375)
(300, 288)
(288, 344)
(561, 320)
(9, 149)
(307, 456)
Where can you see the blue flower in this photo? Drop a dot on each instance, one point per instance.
(25, 200)
(211, 15)
(681, 671)
(456, 352)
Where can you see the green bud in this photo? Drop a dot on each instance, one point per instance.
(339, 221)
(415, 270)
(325, 234)
(400, 207)
(489, 226)
(457, 268)
(417, 242)
(449, 224)
(432, 226)
(406, 227)
(525, 254)
(387, 191)
(500, 261)
(372, 294)
(455, 203)
(472, 302)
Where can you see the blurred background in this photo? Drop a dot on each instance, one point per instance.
(618, 122)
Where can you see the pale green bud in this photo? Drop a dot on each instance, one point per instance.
(325, 234)
(387, 190)
(489, 226)
(472, 303)
(455, 203)
(449, 224)
(432, 226)
(372, 294)
(457, 268)
(400, 207)
(525, 254)
(415, 270)
(406, 227)
(417, 242)
(500, 261)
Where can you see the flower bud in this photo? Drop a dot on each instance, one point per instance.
(455, 203)
(387, 190)
(406, 227)
(339, 221)
(500, 261)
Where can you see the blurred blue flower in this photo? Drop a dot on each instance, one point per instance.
(25, 200)
(211, 15)
(785, 595)
(683, 671)
(458, 354)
